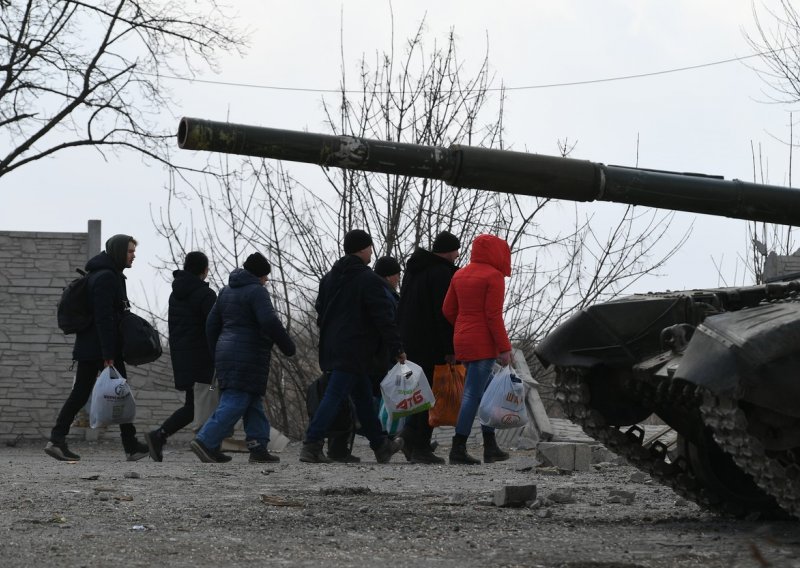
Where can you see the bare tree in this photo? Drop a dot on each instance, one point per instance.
(423, 98)
(77, 74)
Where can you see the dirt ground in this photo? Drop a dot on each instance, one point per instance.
(104, 511)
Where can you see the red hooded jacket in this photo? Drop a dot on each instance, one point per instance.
(474, 301)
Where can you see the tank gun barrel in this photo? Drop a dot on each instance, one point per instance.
(503, 171)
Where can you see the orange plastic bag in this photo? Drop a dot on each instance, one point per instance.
(448, 388)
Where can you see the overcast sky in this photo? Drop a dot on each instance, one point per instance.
(701, 120)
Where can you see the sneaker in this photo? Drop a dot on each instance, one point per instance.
(140, 452)
(311, 452)
(207, 455)
(388, 449)
(60, 451)
(425, 456)
(262, 455)
(155, 445)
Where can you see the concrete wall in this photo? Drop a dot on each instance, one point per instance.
(35, 356)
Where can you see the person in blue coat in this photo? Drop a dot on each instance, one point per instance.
(242, 328)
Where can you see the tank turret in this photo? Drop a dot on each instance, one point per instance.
(720, 366)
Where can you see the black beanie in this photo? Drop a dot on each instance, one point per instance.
(446, 242)
(386, 266)
(117, 249)
(356, 240)
(257, 265)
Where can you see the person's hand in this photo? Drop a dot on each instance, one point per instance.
(108, 362)
(401, 357)
(504, 358)
(450, 359)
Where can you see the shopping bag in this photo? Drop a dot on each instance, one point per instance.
(112, 400)
(390, 425)
(406, 391)
(448, 388)
(503, 402)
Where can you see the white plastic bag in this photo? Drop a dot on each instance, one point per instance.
(503, 402)
(390, 425)
(112, 400)
(406, 390)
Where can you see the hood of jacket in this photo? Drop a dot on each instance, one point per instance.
(186, 283)
(102, 261)
(347, 267)
(492, 250)
(422, 259)
(241, 277)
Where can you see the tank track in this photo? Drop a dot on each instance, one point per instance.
(572, 392)
(776, 473)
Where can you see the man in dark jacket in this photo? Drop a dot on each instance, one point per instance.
(242, 328)
(355, 319)
(190, 302)
(427, 335)
(99, 345)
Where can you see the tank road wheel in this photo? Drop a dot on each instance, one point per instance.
(737, 490)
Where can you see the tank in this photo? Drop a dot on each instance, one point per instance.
(720, 366)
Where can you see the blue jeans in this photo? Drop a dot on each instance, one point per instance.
(478, 375)
(233, 405)
(340, 386)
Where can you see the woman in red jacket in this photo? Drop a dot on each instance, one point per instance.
(474, 305)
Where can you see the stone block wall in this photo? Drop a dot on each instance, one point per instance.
(36, 357)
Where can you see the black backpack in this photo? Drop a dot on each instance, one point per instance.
(141, 342)
(74, 311)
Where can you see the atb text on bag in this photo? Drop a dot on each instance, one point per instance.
(406, 391)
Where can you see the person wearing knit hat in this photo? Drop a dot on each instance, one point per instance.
(357, 320)
(446, 242)
(427, 335)
(355, 241)
(99, 345)
(242, 327)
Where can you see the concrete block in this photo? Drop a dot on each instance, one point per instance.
(514, 496)
(557, 454)
(583, 457)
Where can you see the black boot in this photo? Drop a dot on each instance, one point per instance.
(458, 453)
(311, 452)
(155, 444)
(491, 451)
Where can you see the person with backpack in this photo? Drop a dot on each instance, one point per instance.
(190, 303)
(356, 318)
(99, 344)
(242, 327)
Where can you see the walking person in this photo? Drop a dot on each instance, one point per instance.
(474, 305)
(190, 303)
(356, 322)
(242, 328)
(426, 333)
(99, 345)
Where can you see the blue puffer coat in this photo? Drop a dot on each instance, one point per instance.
(241, 328)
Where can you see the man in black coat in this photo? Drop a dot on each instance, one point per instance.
(99, 345)
(427, 335)
(190, 302)
(356, 321)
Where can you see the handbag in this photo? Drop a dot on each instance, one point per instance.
(405, 390)
(503, 401)
(141, 342)
(448, 388)
(112, 400)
